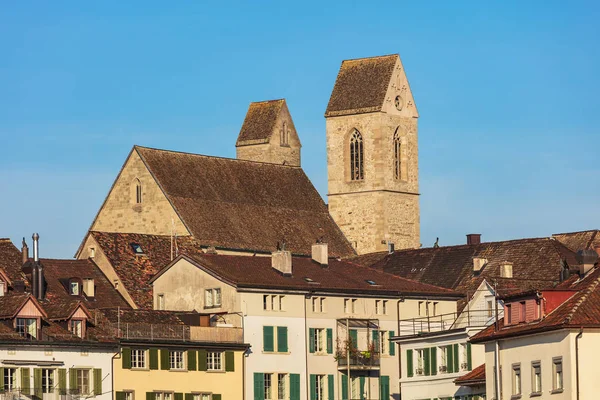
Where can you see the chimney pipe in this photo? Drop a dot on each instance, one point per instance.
(36, 250)
(474, 238)
(587, 259)
(319, 253)
(24, 252)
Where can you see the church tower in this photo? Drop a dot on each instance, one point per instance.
(268, 134)
(372, 155)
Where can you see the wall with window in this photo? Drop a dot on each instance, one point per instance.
(178, 373)
(185, 287)
(545, 363)
(49, 371)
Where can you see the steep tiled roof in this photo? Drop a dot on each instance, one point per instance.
(338, 276)
(583, 240)
(361, 85)
(474, 377)
(580, 310)
(260, 121)
(11, 304)
(10, 260)
(135, 271)
(245, 205)
(537, 263)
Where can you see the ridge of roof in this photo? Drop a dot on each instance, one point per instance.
(372, 57)
(465, 245)
(216, 157)
(575, 232)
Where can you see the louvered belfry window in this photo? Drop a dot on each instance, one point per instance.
(356, 156)
(397, 156)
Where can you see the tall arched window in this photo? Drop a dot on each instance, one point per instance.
(285, 135)
(357, 171)
(138, 191)
(397, 156)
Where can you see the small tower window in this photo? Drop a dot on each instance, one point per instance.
(397, 156)
(356, 156)
(138, 191)
(285, 135)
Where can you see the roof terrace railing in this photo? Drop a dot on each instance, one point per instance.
(186, 333)
(444, 322)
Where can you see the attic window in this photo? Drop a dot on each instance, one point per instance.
(309, 280)
(137, 249)
(370, 282)
(74, 288)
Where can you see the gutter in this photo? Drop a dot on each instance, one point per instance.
(579, 335)
(497, 371)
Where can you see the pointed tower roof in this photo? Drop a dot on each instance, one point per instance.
(260, 121)
(361, 85)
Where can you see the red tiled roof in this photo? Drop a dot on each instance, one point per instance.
(260, 121)
(11, 260)
(583, 240)
(245, 205)
(537, 263)
(338, 276)
(472, 378)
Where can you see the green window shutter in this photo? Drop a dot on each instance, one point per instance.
(409, 363)
(216, 396)
(282, 342)
(354, 337)
(392, 344)
(202, 360)
(189, 396)
(259, 386)
(229, 361)
(433, 360)
(164, 359)
(25, 381)
(97, 381)
(150, 396)
(268, 338)
(456, 366)
(119, 395)
(37, 382)
(384, 387)
(72, 379)
(330, 384)
(62, 381)
(449, 359)
(153, 358)
(294, 387)
(329, 341)
(191, 360)
(469, 366)
(2, 379)
(375, 339)
(426, 362)
(311, 340)
(362, 387)
(313, 387)
(179, 396)
(126, 357)
(344, 387)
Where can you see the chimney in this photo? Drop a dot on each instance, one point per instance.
(587, 259)
(506, 269)
(390, 247)
(319, 253)
(478, 264)
(474, 238)
(281, 260)
(38, 271)
(88, 287)
(24, 252)
(36, 254)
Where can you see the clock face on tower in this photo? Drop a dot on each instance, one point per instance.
(399, 102)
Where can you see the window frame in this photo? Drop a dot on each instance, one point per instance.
(85, 376)
(214, 361)
(213, 298)
(174, 360)
(558, 377)
(536, 371)
(23, 329)
(10, 379)
(48, 380)
(356, 156)
(397, 145)
(139, 359)
(517, 380)
(320, 341)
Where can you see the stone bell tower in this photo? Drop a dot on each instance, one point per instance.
(372, 155)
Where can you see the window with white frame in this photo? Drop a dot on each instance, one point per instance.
(281, 305)
(266, 302)
(212, 297)
(384, 347)
(10, 379)
(536, 377)
(443, 358)
(2, 288)
(268, 387)
(420, 308)
(176, 359)
(202, 396)
(420, 363)
(27, 327)
(516, 379)
(318, 304)
(464, 355)
(435, 308)
(355, 387)
(350, 306)
(320, 385)
(83, 381)
(76, 327)
(213, 361)
(319, 340)
(47, 380)
(74, 288)
(128, 395)
(160, 302)
(282, 386)
(557, 374)
(138, 358)
(163, 395)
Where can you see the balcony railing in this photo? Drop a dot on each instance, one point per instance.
(361, 360)
(184, 333)
(39, 394)
(444, 322)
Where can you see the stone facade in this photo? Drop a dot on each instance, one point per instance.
(381, 207)
(121, 212)
(274, 149)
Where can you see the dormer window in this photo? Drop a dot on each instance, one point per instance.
(2, 288)
(27, 327)
(74, 288)
(76, 327)
(137, 249)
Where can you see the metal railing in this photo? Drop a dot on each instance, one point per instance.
(443, 322)
(142, 331)
(361, 359)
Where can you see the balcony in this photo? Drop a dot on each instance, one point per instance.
(184, 333)
(445, 322)
(358, 360)
(357, 346)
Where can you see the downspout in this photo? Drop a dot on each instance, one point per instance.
(497, 372)
(112, 371)
(306, 339)
(579, 335)
(399, 356)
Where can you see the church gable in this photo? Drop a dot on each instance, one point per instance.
(268, 122)
(136, 203)
(399, 99)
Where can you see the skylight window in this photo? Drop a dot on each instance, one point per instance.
(137, 249)
(307, 279)
(370, 282)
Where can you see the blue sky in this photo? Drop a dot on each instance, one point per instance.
(507, 94)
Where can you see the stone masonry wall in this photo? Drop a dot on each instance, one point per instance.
(154, 215)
